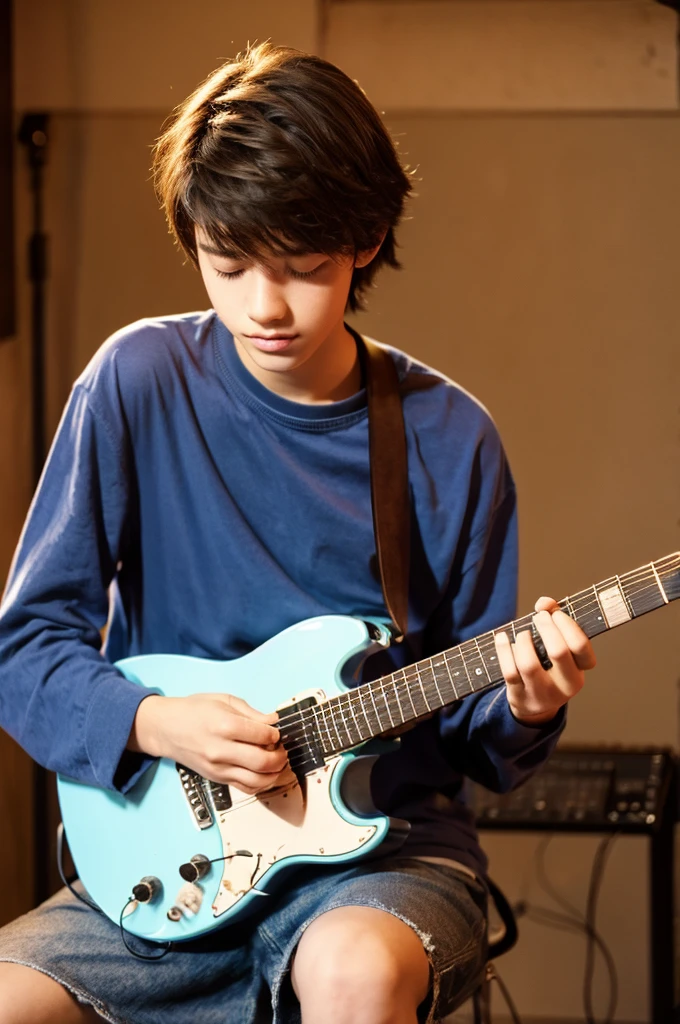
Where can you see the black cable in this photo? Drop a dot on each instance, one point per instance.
(553, 919)
(574, 920)
(586, 924)
(140, 956)
(93, 906)
(596, 876)
(545, 884)
(514, 1013)
(65, 880)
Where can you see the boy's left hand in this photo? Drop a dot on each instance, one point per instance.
(535, 694)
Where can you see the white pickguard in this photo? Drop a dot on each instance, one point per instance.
(289, 821)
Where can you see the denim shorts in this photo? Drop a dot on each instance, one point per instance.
(241, 974)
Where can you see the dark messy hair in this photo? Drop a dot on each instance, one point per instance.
(279, 151)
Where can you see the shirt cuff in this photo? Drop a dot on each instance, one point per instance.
(109, 719)
(514, 737)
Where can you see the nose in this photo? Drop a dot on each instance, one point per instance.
(266, 300)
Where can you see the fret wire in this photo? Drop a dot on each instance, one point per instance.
(335, 726)
(356, 703)
(408, 689)
(625, 597)
(464, 664)
(396, 691)
(398, 703)
(445, 661)
(318, 710)
(360, 695)
(380, 686)
(351, 703)
(488, 677)
(661, 586)
(422, 687)
(450, 654)
(344, 721)
(375, 706)
(425, 681)
(387, 706)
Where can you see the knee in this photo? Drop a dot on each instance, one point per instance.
(347, 962)
(355, 967)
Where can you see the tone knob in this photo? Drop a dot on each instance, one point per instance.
(196, 868)
(147, 889)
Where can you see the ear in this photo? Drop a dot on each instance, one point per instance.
(364, 258)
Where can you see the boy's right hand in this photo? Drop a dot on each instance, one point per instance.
(217, 735)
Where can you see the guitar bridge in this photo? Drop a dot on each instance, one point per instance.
(192, 784)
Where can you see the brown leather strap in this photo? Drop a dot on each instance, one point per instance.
(390, 498)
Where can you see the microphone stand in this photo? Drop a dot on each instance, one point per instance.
(33, 134)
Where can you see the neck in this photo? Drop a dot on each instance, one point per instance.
(414, 692)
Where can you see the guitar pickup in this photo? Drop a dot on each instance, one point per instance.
(192, 784)
(299, 736)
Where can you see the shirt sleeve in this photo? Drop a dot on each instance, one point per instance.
(479, 735)
(68, 707)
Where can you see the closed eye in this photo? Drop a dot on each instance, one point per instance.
(232, 275)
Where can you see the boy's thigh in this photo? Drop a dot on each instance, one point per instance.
(27, 996)
(84, 952)
(443, 907)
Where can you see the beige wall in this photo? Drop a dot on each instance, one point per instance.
(540, 270)
(508, 54)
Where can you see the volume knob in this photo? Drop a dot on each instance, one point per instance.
(147, 889)
(196, 868)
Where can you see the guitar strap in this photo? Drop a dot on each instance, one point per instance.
(390, 499)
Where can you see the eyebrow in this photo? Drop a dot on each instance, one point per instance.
(232, 254)
(213, 250)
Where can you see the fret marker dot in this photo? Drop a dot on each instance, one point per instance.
(478, 671)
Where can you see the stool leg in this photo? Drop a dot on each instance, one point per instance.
(481, 1000)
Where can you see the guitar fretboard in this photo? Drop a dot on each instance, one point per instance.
(414, 692)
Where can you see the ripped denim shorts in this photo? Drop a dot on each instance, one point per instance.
(241, 974)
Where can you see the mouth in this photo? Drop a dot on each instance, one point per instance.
(271, 342)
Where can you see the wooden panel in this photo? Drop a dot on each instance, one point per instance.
(16, 844)
(7, 272)
(503, 55)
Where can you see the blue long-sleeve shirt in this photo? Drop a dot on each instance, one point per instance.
(199, 513)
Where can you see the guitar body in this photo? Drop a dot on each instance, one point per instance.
(323, 815)
(200, 855)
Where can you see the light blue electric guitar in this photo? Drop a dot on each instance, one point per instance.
(179, 855)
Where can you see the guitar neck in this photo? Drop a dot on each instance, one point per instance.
(419, 689)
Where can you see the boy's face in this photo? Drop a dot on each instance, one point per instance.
(286, 313)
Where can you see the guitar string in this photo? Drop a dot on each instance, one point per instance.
(349, 702)
(413, 674)
(354, 699)
(587, 603)
(482, 644)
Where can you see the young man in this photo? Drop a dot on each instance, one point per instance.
(210, 478)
